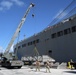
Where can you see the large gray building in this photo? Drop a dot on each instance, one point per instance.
(58, 41)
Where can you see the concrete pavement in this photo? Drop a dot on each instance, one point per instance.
(25, 70)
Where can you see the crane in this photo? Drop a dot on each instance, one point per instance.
(17, 30)
(6, 54)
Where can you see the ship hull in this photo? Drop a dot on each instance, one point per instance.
(57, 41)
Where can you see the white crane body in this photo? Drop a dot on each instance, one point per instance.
(17, 30)
(6, 53)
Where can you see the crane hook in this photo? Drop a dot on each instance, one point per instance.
(32, 15)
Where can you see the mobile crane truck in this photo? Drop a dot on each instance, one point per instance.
(6, 58)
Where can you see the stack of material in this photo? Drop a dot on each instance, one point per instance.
(63, 65)
(46, 57)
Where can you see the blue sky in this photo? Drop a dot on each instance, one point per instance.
(12, 11)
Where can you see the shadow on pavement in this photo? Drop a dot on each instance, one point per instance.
(70, 72)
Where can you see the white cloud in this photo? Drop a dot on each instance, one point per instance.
(18, 2)
(60, 14)
(7, 4)
(1, 49)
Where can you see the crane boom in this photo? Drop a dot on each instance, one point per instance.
(17, 30)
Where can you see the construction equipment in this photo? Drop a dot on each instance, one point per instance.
(7, 60)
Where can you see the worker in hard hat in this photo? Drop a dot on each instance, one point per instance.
(37, 65)
(47, 65)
